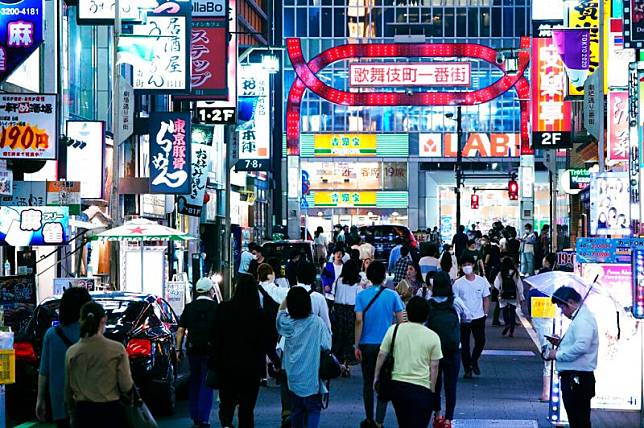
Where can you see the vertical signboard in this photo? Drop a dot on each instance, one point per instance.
(618, 56)
(618, 128)
(633, 24)
(254, 131)
(27, 126)
(192, 203)
(551, 113)
(170, 154)
(634, 161)
(126, 113)
(208, 50)
(21, 32)
(585, 14)
(85, 156)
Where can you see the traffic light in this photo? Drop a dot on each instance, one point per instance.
(513, 190)
(474, 200)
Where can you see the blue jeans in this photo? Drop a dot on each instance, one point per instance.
(527, 263)
(199, 395)
(305, 411)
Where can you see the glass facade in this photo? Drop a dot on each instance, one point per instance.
(323, 24)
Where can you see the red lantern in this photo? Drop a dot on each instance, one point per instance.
(206, 198)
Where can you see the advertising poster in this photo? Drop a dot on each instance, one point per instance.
(609, 204)
(618, 127)
(17, 298)
(192, 203)
(170, 153)
(64, 194)
(254, 133)
(633, 23)
(209, 40)
(23, 227)
(21, 24)
(62, 284)
(6, 183)
(86, 150)
(27, 126)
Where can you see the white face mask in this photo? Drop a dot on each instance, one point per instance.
(468, 269)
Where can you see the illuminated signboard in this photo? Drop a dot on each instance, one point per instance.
(638, 284)
(22, 32)
(550, 113)
(579, 179)
(192, 204)
(635, 163)
(170, 153)
(87, 150)
(345, 199)
(27, 126)
(609, 204)
(25, 226)
(618, 127)
(437, 145)
(547, 10)
(254, 129)
(66, 194)
(411, 74)
(633, 24)
(356, 175)
(345, 145)
(209, 8)
(209, 41)
(99, 12)
(618, 56)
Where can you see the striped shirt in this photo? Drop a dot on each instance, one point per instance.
(304, 339)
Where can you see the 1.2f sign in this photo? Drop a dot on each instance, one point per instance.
(216, 115)
(551, 140)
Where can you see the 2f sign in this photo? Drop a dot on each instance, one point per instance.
(209, 8)
(551, 140)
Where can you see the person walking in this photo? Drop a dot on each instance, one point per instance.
(367, 250)
(347, 287)
(51, 376)
(305, 336)
(474, 290)
(411, 283)
(510, 291)
(320, 244)
(400, 268)
(198, 319)
(364, 281)
(258, 259)
(429, 261)
(448, 266)
(238, 352)
(247, 256)
(446, 312)
(526, 250)
(471, 250)
(97, 373)
(576, 356)
(417, 353)
(375, 309)
(459, 241)
(330, 273)
(492, 267)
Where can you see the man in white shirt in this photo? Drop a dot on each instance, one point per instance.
(306, 276)
(474, 291)
(576, 356)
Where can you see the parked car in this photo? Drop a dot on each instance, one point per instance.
(283, 250)
(384, 238)
(145, 324)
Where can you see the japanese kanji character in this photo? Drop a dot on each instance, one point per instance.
(20, 34)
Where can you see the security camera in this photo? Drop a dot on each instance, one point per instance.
(409, 92)
(500, 58)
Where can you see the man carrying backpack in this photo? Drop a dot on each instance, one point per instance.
(445, 314)
(510, 287)
(198, 319)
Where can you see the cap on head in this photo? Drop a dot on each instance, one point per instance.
(204, 285)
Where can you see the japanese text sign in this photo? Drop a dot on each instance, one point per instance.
(585, 14)
(169, 69)
(411, 74)
(66, 194)
(103, 11)
(26, 194)
(126, 112)
(436, 145)
(170, 154)
(344, 145)
(85, 156)
(254, 108)
(618, 127)
(6, 182)
(550, 113)
(21, 24)
(208, 49)
(542, 307)
(192, 203)
(25, 226)
(345, 199)
(27, 126)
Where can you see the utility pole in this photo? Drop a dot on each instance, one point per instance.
(459, 163)
(600, 99)
(115, 205)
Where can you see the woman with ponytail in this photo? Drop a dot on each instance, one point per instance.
(97, 373)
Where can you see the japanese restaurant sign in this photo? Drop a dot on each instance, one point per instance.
(436, 145)
(254, 134)
(618, 127)
(170, 154)
(192, 203)
(27, 126)
(21, 23)
(25, 226)
(168, 70)
(102, 12)
(344, 199)
(208, 50)
(326, 145)
(411, 74)
(550, 113)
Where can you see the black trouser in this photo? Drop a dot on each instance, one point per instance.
(577, 389)
(285, 396)
(496, 313)
(448, 369)
(242, 394)
(369, 357)
(412, 403)
(510, 317)
(477, 329)
(62, 423)
(98, 415)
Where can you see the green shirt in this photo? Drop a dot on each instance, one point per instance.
(415, 348)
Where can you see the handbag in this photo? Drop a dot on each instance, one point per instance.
(329, 365)
(385, 381)
(135, 411)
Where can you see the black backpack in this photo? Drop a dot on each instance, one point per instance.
(508, 288)
(443, 320)
(200, 329)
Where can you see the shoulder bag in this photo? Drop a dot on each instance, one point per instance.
(385, 381)
(136, 413)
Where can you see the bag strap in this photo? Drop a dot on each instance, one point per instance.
(65, 339)
(373, 299)
(393, 340)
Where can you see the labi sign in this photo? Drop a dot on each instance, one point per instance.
(21, 23)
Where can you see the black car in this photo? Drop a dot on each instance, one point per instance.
(146, 325)
(384, 238)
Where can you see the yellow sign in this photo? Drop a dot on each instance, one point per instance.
(542, 307)
(350, 145)
(344, 199)
(585, 14)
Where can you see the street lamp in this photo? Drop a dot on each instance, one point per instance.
(459, 160)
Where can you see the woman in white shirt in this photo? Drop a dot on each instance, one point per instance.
(510, 287)
(320, 244)
(347, 287)
(364, 281)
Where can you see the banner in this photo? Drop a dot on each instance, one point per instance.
(609, 204)
(86, 147)
(574, 49)
(254, 129)
(192, 204)
(618, 127)
(170, 154)
(26, 226)
(28, 126)
(21, 24)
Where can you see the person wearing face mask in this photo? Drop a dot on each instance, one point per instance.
(258, 259)
(474, 291)
(97, 372)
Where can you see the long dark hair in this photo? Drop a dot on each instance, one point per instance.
(90, 318)
(446, 262)
(419, 276)
(350, 272)
(246, 297)
(507, 264)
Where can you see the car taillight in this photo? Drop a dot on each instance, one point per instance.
(137, 348)
(25, 351)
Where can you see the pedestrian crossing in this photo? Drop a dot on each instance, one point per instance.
(494, 423)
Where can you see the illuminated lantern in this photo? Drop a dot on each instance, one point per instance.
(513, 190)
(474, 200)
